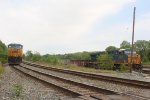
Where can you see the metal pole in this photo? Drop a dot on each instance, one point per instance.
(132, 40)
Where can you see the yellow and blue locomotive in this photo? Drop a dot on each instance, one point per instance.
(15, 53)
(123, 56)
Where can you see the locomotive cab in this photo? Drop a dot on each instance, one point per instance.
(123, 56)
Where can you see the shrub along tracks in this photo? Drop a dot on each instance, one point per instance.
(77, 88)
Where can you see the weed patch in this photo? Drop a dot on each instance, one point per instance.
(1, 69)
(17, 89)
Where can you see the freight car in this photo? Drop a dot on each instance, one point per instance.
(15, 54)
(88, 63)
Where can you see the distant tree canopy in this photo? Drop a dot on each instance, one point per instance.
(32, 56)
(3, 48)
(3, 52)
(142, 47)
(125, 45)
(55, 59)
(28, 55)
(78, 56)
(111, 48)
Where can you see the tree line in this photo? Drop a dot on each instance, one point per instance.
(56, 58)
(141, 46)
(3, 52)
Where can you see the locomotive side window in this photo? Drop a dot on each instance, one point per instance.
(129, 52)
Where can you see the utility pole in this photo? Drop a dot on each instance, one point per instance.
(131, 65)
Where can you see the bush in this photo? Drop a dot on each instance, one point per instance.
(123, 67)
(105, 61)
(1, 68)
(145, 59)
(3, 61)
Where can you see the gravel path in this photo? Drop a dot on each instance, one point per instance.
(31, 89)
(107, 85)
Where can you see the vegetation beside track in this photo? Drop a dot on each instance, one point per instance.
(3, 52)
(1, 68)
(18, 89)
(78, 68)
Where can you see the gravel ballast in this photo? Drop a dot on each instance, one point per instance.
(31, 88)
(98, 83)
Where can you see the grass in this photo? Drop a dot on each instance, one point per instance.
(17, 89)
(124, 68)
(146, 63)
(79, 68)
(1, 68)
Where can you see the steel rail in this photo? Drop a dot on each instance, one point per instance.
(93, 90)
(128, 82)
(107, 96)
(94, 93)
(146, 69)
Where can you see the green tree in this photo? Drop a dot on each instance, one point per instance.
(28, 55)
(125, 45)
(3, 52)
(111, 48)
(3, 48)
(143, 48)
(85, 55)
(36, 56)
(78, 56)
(142, 45)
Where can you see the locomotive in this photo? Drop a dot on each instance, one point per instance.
(123, 56)
(15, 53)
(118, 57)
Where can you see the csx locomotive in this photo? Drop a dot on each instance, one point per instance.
(119, 57)
(15, 53)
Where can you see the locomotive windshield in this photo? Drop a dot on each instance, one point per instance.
(129, 52)
(15, 46)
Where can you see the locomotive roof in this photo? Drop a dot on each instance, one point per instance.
(15, 44)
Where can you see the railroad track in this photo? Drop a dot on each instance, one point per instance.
(146, 69)
(96, 91)
(128, 82)
(81, 90)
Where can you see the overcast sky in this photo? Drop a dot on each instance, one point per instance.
(65, 26)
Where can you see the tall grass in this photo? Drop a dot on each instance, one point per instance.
(1, 68)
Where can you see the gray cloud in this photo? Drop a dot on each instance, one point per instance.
(54, 26)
